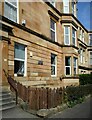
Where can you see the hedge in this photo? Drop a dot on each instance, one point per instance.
(85, 79)
(76, 94)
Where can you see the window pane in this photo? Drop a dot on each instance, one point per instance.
(10, 12)
(66, 30)
(66, 39)
(67, 70)
(18, 67)
(90, 58)
(66, 6)
(14, 2)
(53, 35)
(90, 39)
(67, 61)
(52, 24)
(52, 70)
(19, 51)
(52, 59)
(66, 35)
(53, 64)
(73, 36)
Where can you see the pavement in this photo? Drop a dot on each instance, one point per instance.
(17, 112)
(83, 110)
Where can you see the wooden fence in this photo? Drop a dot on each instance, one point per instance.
(40, 98)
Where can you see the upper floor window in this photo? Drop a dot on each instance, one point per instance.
(66, 35)
(75, 65)
(81, 55)
(80, 34)
(66, 6)
(90, 58)
(53, 29)
(10, 9)
(73, 6)
(53, 64)
(90, 39)
(83, 36)
(74, 36)
(68, 65)
(52, 2)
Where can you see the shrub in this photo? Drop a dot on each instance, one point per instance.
(85, 79)
(76, 94)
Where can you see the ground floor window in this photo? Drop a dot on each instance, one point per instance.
(68, 65)
(19, 59)
(53, 64)
(75, 65)
(90, 58)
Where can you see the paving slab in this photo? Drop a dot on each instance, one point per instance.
(17, 112)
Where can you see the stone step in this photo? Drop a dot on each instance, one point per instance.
(6, 100)
(6, 105)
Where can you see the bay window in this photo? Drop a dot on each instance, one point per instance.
(90, 39)
(68, 65)
(66, 35)
(75, 65)
(73, 36)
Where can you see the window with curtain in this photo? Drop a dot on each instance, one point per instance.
(19, 59)
(10, 9)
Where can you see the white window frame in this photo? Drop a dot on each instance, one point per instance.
(75, 66)
(17, 7)
(53, 29)
(66, 5)
(67, 34)
(25, 62)
(68, 66)
(54, 65)
(73, 36)
(81, 55)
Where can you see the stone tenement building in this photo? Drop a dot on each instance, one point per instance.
(43, 42)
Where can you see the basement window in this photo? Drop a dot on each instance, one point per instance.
(19, 59)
